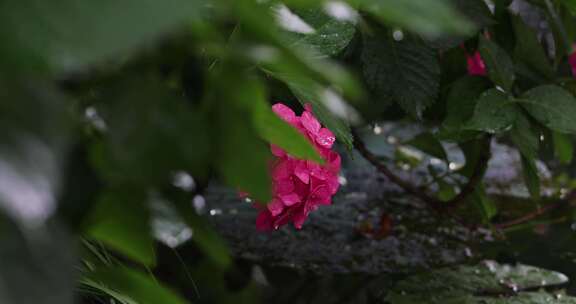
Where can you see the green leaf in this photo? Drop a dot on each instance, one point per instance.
(242, 158)
(121, 221)
(531, 178)
(69, 34)
(257, 21)
(571, 5)
(427, 18)
(130, 286)
(477, 12)
(275, 130)
(310, 91)
(552, 106)
(461, 102)
(462, 285)
(484, 204)
(163, 133)
(529, 298)
(406, 72)
(498, 64)
(204, 236)
(563, 147)
(525, 137)
(494, 112)
(330, 36)
(528, 49)
(446, 191)
(429, 144)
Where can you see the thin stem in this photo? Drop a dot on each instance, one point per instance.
(528, 217)
(476, 177)
(474, 180)
(541, 211)
(406, 186)
(558, 22)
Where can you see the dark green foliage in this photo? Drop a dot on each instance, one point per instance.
(103, 103)
(401, 69)
(552, 106)
(494, 112)
(498, 64)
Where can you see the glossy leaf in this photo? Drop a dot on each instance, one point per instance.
(275, 130)
(460, 105)
(428, 18)
(498, 63)
(525, 137)
(528, 50)
(563, 147)
(531, 178)
(493, 113)
(405, 72)
(310, 91)
(329, 37)
(552, 106)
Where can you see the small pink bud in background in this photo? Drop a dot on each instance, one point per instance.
(572, 61)
(476, 64)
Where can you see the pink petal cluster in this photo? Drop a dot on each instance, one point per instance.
(476, 64)
(572, 61)
(300, 186)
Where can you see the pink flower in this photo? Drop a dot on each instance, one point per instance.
(476, 65)
(300, 186)
(572, 61)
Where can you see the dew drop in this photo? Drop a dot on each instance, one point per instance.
(199, 203)
(398, 35)
(214, 212)
(377, 129)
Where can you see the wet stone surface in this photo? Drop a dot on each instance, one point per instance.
(372, 227)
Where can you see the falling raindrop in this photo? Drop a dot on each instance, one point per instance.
(183, 181)
(94, 118)
(290, 21)
(214, 212)
(377, 129)
(342, 180)
(199, 203)
(454, 166)
(340, 10)
(398, 35)
(392, 140)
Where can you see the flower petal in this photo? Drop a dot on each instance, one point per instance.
(325, 138)
(264, 221)
(275, 207)
(285, 113)
(277, 151)
(290, 199)
(310, 123)
(301, 171)
(282, 170)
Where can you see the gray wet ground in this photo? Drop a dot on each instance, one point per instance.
(346, 237)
